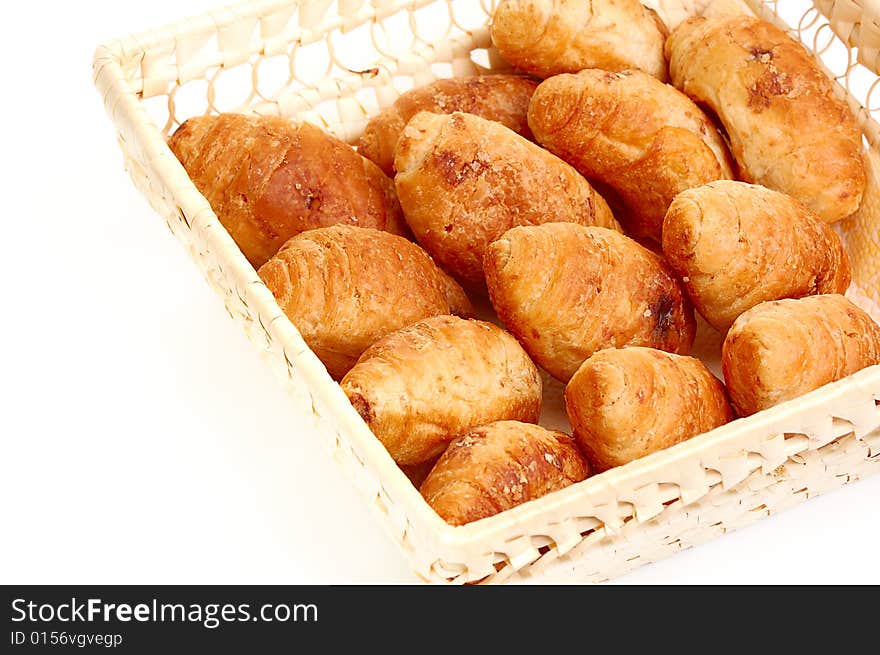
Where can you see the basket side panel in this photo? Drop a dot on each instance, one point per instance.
(721, 511)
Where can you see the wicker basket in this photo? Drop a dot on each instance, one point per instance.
(335, 62)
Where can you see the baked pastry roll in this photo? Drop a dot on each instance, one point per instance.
(566, 291)
(548, 37)
(430, 382)
(345, 287)
(502, 98)
(788, 129)
(498, 466)
(629, 131)
(780, 350)
(735, 245)
(463, 181)
(268, 179)
(626, 403)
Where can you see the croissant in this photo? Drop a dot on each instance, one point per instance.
(345, 287)
(566, 291)
(735, 245)
(498, 466)
(548, 37)
(626, 403)
(268, 179)
(502, 98)
(780, 350)
(463, 181)
(421, 386)
(631, 132)
(788, 130)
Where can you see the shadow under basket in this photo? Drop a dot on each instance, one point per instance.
(336, 63)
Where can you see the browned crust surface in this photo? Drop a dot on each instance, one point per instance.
(345, 287)
(463, 181)
(736, 245)
(428, 383)
(498, 466)
(548, 37)
(502, 98)
(780, 350)
(567, 291)
(643, 138)
(269, 179)
(627, 403)
(788, 130)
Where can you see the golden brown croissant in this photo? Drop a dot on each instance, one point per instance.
(502, 98)
(566, 291)
(788, 130)
(268, 179)
(345, 287)
(463, 181)
(642, 138)
(780, 350)
(735, 245)
(627, 403)
(430, 382)
(548, 37)
(498, 466)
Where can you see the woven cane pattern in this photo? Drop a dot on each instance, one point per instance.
(335, 63)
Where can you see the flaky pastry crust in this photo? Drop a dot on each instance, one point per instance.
(269, 179)
(430, 382)
(498, 466)
(345, 287)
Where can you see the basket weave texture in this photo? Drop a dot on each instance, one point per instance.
(337, 62)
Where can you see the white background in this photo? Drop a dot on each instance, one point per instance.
(143, 441)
